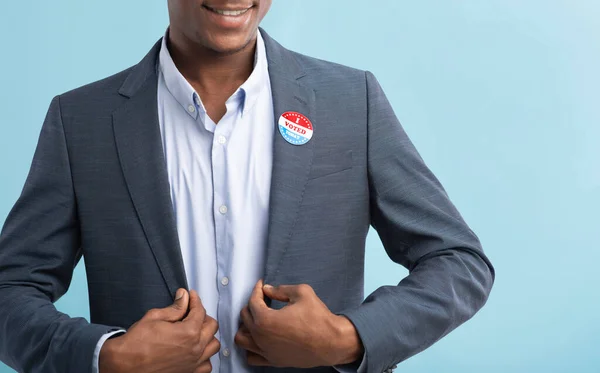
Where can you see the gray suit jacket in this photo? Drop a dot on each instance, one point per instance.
(98, 188)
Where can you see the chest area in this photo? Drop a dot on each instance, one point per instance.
(217, 168)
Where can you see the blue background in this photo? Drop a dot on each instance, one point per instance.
(500, 97)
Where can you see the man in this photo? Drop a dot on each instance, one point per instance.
(221, 191)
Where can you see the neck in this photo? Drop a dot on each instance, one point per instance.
(208, 70)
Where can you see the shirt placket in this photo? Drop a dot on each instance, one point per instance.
(222, 211)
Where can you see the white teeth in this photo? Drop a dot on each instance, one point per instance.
(232, 13)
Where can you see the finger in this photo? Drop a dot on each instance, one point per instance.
(246, 318)
(243, 328)
(205, 367)
(257, 300)
(256, 359)
(287, 293)
(173, 313)
(180, 305)
(209, 329)
(275, 293)
(197, 312)
(245, 341)
(213, 347)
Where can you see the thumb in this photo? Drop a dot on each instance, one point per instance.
(196, 309)
(176, 311)
(282, 293)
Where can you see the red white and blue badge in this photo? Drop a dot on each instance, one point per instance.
(295, 128)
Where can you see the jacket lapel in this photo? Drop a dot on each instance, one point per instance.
(138, 139)
(291, 163)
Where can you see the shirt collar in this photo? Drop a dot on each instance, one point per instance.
(187, 97)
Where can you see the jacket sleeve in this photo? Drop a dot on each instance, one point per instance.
(39, 248)
(449, 278)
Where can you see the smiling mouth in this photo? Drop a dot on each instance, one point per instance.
(228, 12)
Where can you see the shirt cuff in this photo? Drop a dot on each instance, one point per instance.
(95, 361)
(352, 367)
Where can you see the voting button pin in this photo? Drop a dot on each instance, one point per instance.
(295, 128)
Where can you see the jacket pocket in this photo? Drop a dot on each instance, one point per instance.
(330, 163)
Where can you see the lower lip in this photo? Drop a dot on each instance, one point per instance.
(229, 22)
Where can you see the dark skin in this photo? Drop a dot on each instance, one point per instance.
(302, 334)
(166, 340)
(215, 54)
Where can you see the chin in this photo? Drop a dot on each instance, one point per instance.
(228, 44)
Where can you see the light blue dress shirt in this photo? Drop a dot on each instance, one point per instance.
(220, 177)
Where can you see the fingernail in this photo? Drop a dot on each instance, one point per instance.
(179, 294)
(267, 286)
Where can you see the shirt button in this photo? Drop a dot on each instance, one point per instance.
(224, 281)
(222, 140)
(191, 108)
(226, 352)
(223, 209)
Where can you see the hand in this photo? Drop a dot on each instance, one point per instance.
(303, 334)
(165, 340)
